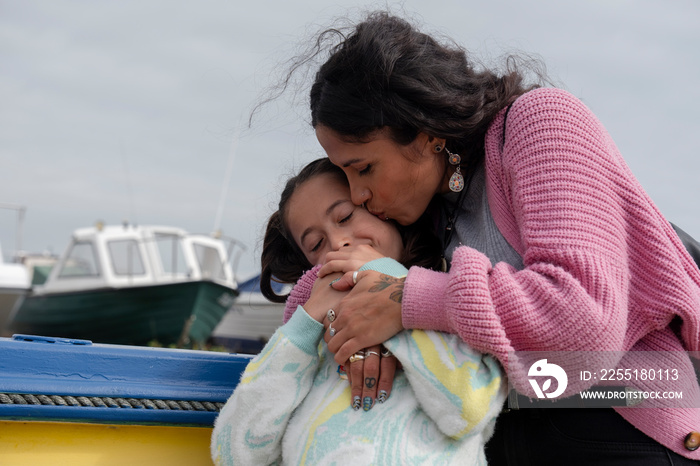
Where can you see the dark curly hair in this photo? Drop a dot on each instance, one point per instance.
(282, 260)
(386, 73)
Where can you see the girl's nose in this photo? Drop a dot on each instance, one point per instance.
(341, 241)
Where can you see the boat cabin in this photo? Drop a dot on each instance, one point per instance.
(131, 255)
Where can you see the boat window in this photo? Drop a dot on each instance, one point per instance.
(126, 257)
(81, 261)
(209, 261)
(172, 257)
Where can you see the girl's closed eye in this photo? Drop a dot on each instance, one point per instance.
(365, 170)
(346, 218)
(317, 246)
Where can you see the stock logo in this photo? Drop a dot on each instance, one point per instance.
(542, 369)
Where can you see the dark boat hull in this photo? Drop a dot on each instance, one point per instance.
(175, 313)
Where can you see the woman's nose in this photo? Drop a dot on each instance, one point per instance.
(360, 196)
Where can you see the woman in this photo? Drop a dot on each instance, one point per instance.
(552, 243)
(291, 405)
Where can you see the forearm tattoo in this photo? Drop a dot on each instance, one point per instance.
(385, 281)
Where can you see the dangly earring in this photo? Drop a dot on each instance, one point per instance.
(456, 180)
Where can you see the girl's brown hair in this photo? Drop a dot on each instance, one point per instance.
(282, 260)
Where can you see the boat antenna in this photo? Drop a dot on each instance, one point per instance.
(227, 179)
(129, 190)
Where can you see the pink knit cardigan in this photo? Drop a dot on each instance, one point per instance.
(604, 271)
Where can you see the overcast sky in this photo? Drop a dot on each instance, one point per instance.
(127, 110)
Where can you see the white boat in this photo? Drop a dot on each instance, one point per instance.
(133, 285)
(252, 319)
(14, 285)
(15, 279)
(38, 265)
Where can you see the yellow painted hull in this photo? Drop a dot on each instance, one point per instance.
(34, 443)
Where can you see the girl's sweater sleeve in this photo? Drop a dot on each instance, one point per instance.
(565, 200)
(250, 427)
(461, 390)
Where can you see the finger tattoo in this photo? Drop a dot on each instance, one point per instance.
(370, 382)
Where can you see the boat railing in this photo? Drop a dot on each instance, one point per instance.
(76, 380)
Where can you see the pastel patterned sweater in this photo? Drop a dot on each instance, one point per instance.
(604, 272)
(291, 407)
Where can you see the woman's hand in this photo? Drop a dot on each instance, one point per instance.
(368, 315)
(348, 258)
(371, 376)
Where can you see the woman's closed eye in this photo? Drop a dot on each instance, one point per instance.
(365, 170)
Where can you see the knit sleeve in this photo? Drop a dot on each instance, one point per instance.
(387, 266)
(301, 292)
(251, 425)
(563, 197)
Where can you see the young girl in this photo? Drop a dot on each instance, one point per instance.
(292, 406)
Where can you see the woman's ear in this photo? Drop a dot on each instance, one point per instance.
(436, 144)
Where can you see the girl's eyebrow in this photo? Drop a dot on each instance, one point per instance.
(329, 210)
(336, 204)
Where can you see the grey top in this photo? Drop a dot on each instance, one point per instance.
(475, 226)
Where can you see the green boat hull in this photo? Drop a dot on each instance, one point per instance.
(184, 314)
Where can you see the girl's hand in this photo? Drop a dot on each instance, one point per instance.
(368, 315)
(348, 259)
(323, 297)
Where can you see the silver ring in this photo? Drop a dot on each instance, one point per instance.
(367, 353)
(331, 330)
(331, 315)
(354, 277)
(386, 353)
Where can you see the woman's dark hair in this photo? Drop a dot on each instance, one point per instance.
(282, 260)
(388, 74)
